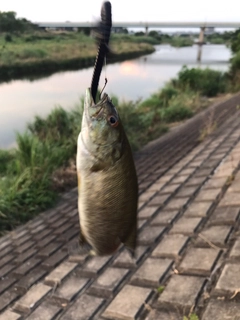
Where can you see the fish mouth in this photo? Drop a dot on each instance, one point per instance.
(99, 107)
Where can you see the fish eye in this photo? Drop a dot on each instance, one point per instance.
(113, 121)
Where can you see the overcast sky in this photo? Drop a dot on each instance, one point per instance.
(125, 10)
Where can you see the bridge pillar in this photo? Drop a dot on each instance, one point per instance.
(200, 43)
(146, 30)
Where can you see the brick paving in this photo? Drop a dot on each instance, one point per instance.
(188, 255)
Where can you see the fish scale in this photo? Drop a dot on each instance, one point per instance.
(108, 196)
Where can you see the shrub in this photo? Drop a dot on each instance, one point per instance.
(208, 82)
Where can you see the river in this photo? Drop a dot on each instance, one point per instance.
(129, 80)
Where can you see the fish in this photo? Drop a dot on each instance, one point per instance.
(107, 180)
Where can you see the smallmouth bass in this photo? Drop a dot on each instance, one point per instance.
(107, 180)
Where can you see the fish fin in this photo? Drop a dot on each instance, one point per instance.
(83, 242)
(131, 241)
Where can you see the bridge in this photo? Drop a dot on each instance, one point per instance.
(141, 24)
(150, 24)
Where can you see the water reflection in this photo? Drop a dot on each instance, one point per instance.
(131, 80)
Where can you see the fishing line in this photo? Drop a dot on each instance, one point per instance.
(106, 80)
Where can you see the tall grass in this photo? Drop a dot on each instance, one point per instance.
(207, 82)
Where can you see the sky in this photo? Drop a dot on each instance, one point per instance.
(124, 10)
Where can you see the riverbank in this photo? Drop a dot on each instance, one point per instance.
(43, 165)
(43, 53)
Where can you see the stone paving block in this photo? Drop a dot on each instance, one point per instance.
(187, 172)
(85, 307)
(215, 183)
(147, 212)
(59, 222)
(224, 216)
(58, 274)
(49, 250)
(181, 292)
(146, 196)
(37, 229)
(6, 269)
(195, 181)
(198, 209)
(94, 266)
(222, 310)
(230, 199)
(217, 235)
(203, 172)
(24, 246)
(141, 223)
(167, 177)
(208, 195)
(24, 256)
(127, 304)
(6, 282)
(26, 266)
(79, 258)
(46, 311)
(41, 238)
(69, 234)
(10, 315)
(176, 204)
(66, 226)
(186, 226)
(186, 192)
(7, 298)
(17, 234)
(171, 188)
(151, 272)
(156, 186)
(70, 288)
(124, 260)
(5, 244)
(163, 315)
(179, 179)
(107, 283)
(54, 260)
(224, 172)
(158, 200)
(234, 187)
(35, 223)
(23, 240)
(235, 252)
(32, 298)
(199, 261)
(150, 234)
(165, 218)
(31, 278)
(7, 258)
(229, 280)
(171, 246)
(140, 205)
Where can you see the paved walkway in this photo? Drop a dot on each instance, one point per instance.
(188, 258)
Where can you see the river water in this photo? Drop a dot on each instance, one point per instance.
(129, 80)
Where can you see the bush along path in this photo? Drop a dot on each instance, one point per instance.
(187, 263)
(43, 165)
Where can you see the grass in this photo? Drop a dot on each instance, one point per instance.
(178, 42)
(40, 52)
(32, 175)
(192, 316)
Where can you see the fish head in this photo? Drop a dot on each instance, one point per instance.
(101, 124)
